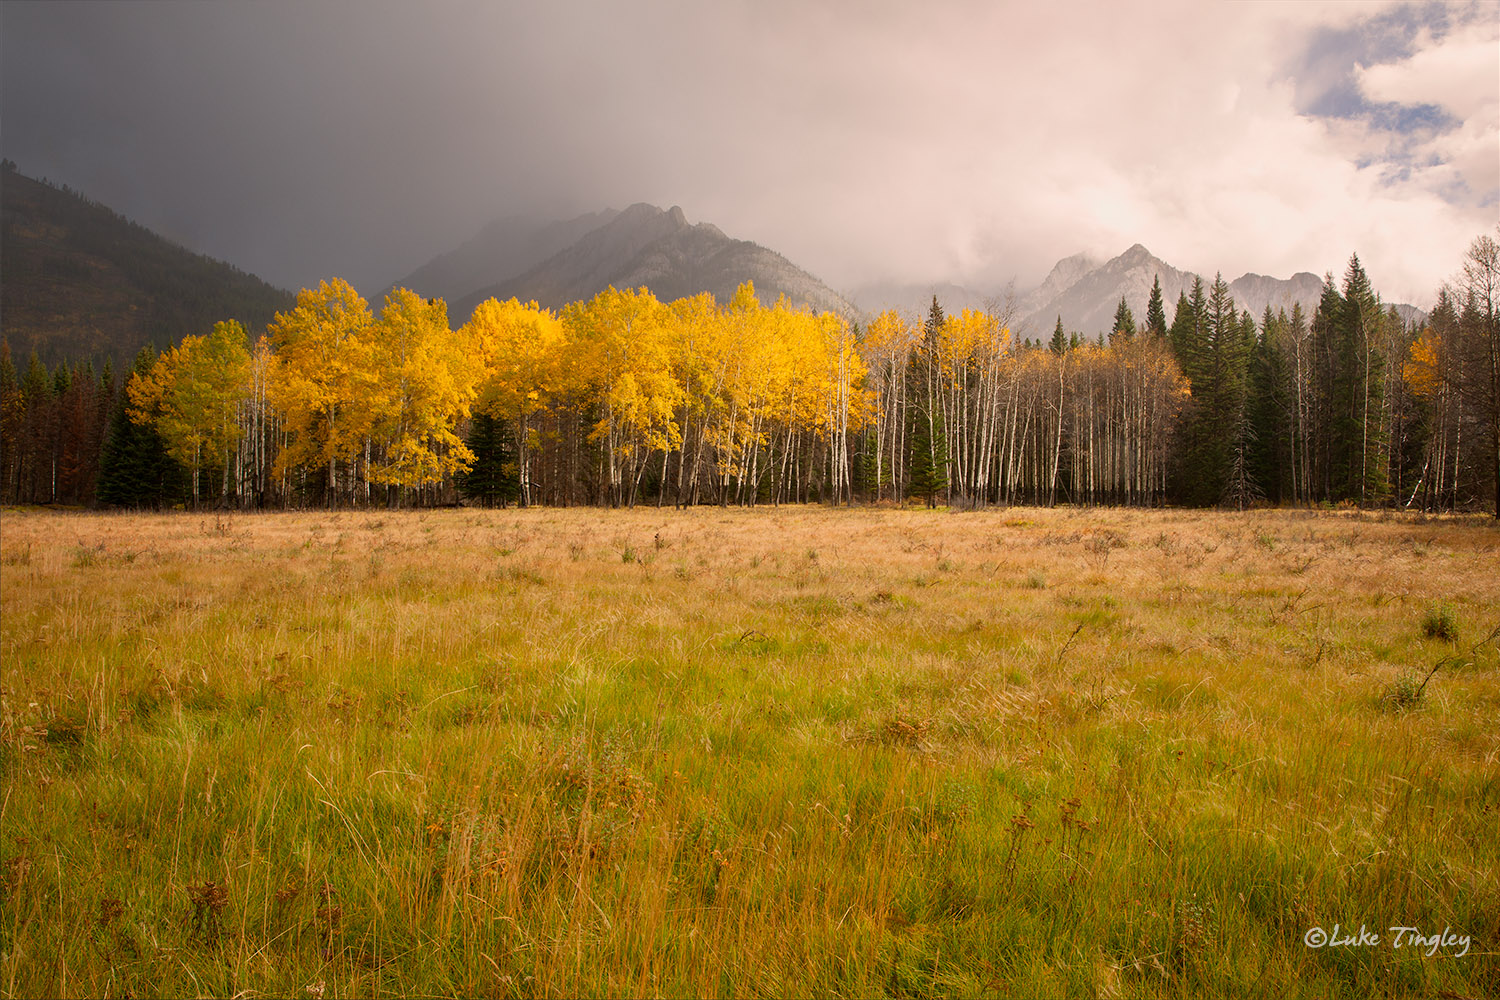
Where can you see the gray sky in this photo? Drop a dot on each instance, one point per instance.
(971, 142)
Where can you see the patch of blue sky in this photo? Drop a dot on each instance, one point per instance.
(1325, 73)
(1409, 119)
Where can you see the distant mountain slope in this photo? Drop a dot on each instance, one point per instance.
(644, 245)
(1256, 291)
(1087, 303)
(1086, 295)
(503, 250)
(1062, 276)
(78, 281)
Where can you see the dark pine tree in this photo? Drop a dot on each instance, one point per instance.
(1238, 351)
(1347, 332)
(926, 459)
(1124, 326)
(1326, 377)
(1188, 337)
(1270, 411)
(1365, 319)
(1059, 342)
(1156, 314)
(12, 425)
(929, 467)
(134, 467)
(494, 479)
(36, 433)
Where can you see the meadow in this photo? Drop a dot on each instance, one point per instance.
(741, 753)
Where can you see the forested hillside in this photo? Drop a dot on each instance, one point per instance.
(82, 283)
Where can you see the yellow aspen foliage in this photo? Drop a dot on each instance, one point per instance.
(520, 349)
(192, 394)
(1422, 369)
(620, 356)
(323, 380)
(888, 335)
(428, 378)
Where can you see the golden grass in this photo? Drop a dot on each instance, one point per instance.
(737, 753)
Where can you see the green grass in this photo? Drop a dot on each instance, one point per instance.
(796, 752)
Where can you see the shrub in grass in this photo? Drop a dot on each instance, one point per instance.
(1440, 622)
(1405, 694)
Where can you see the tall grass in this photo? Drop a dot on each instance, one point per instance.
(766, 752)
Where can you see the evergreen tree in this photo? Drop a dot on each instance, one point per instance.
(1188, 334)
(1325, 376)
(1188, 338)
(1349, 328)
(493, 479)
(36, 433)
(1364, 321)
(1481, 385)
(928, 460)
(929, 467)
(12, 424)
(1240, 487)
(1270, 411)
(1156, 315)
(1059, 342)
(134, 467)
(1124, 326)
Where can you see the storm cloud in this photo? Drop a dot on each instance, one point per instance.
(968, 142)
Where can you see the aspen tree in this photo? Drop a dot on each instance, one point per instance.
(324, 379)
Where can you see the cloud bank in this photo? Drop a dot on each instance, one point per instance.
(970, 142)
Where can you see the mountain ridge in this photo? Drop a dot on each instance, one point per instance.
(503, 249)
(83, 282)
(641, 245)
(1088, 303)
(1085, 292)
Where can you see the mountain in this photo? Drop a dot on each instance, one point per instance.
(78, 281)
(502, 250)
(1086, 295)
(644, 245)
(1062, 277)
(1256, 291)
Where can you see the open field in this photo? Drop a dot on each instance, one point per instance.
(744, 753)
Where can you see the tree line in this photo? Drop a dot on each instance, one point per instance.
(625, 400)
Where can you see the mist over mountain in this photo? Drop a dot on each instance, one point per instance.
(80, 280)
(1085, 292)
(1086, 295)
(1256, 291)
(503, 249)
(916, 298)
(561, 262)
(1062, 277)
